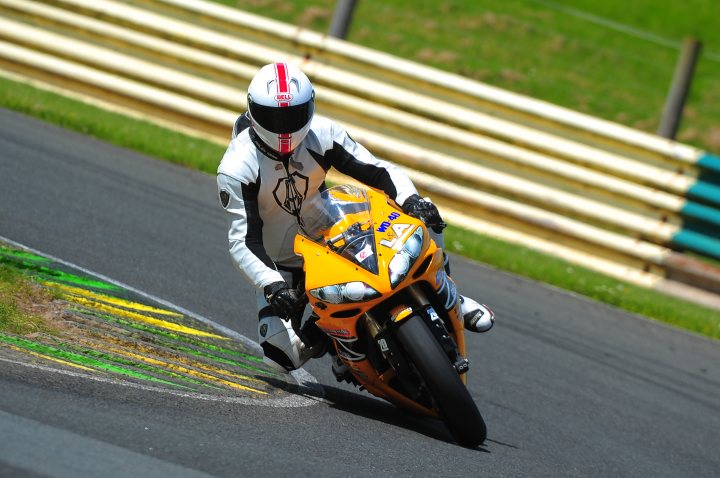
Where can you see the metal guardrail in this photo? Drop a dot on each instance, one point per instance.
(593, 192)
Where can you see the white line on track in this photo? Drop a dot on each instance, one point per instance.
(291, 401)
(301, 376)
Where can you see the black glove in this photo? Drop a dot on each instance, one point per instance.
(286, 303)
(426, 211)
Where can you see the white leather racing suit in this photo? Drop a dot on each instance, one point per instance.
(261, 193)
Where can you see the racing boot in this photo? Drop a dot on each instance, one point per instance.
(339, 369)
(313, 337)
(282, 347)
(476, 317)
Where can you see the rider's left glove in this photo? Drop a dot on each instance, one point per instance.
(425, 211)
(286, 303)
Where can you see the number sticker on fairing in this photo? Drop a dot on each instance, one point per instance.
(385, 224)
(396, 230)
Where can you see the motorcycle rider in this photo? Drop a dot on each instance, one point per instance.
(278, 157)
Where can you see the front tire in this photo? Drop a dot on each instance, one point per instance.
(456, 406)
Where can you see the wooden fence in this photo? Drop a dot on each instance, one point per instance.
(596, 193)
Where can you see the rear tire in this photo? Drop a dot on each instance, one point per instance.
(457, 408)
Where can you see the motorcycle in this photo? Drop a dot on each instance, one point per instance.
(378, 288)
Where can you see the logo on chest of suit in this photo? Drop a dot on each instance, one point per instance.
(290, 192)
(295, 164)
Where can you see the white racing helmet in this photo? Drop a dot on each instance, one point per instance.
(281, 101)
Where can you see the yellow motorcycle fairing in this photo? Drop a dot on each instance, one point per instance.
(347, 322)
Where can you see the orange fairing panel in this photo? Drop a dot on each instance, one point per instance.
(342, 285)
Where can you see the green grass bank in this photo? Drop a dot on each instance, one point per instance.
(613, 59)
(204, 156)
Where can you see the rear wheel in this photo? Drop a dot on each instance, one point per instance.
(456, 406)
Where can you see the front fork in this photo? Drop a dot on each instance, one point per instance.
(434, 322)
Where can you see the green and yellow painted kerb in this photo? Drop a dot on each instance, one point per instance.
(110, 331)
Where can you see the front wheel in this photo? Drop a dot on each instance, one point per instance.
(456, 406)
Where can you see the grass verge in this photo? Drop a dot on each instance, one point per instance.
(535, 265)
(203, 155)
(111, 127)
(24, 305)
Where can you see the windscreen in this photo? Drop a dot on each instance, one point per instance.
(339, 218)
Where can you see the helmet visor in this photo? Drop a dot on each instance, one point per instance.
(282, 119)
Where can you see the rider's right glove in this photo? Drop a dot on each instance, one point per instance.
(285, 302)
(426, 211)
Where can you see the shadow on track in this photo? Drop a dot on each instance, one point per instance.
(373, 408)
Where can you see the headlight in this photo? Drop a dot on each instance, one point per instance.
(404, 259)
(344, 293)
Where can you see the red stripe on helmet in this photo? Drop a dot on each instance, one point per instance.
(284, 143)
(283, 92)
(283, 83)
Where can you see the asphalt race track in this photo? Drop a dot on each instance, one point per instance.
(568, 387)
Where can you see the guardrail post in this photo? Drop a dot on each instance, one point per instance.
(341, 18)
(672, 113)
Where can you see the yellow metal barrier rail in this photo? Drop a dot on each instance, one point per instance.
(593, 192)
